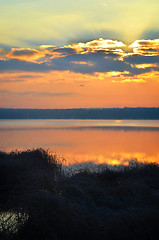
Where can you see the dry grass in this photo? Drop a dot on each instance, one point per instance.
(38, 201)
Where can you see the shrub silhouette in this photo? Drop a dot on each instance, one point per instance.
(38, 201)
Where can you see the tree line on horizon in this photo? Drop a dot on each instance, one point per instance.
(81, 113)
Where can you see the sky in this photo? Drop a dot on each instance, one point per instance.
(79, 53)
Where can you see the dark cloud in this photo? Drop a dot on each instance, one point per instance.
(102, 55)
(19, 65)
(12, 80)
(25, 54)
(28, 76)
(3, 91)
(67, 51)
(139, 59)
(100, 63)
(42, 94)
(47, 94)
(150, 34)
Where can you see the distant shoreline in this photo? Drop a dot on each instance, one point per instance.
(139, 113)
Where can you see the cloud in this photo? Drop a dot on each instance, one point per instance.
(147, 65)
(21, 65)
(102, 55)
(11, 80)
(29, 76)
(140, 59)
(89, 35)
(99, 63)
(42, 94)
(25, 54)
(97, 45)
(2, 53)
(146, 47)
(47, 47)
(129, 80)
(61, 52)
(18, 77)
(3, 91)
(83, 63)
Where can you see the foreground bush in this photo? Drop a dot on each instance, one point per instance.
(38, 201)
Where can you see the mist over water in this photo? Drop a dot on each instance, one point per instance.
(110, 142)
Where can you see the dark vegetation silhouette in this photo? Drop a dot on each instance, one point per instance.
(81, 113)
(39, 201)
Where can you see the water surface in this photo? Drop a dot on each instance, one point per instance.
(98, 141)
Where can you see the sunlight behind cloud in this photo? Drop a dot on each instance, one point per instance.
(146, 47)
(25, 23)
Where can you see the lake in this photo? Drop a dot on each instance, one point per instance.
(112, 142)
